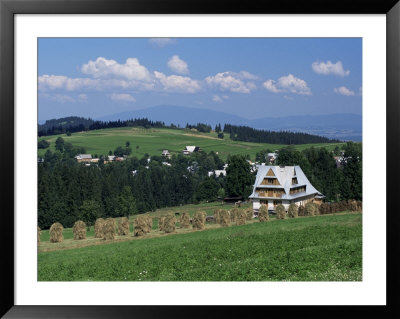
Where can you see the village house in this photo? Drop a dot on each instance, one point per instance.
(271, 157)
(190, 149)
(284, 185)
(217, 172)
(83, 158)
(166, 154)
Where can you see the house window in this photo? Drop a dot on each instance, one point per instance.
(270, 181)
(294, 180)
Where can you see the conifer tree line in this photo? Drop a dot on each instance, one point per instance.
(248, 134)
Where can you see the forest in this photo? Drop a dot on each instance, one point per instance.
(248, 134)
(68, 191)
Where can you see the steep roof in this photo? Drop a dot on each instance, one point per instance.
(284, 175)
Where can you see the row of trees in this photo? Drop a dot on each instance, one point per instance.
(248, 134)
(336, 183)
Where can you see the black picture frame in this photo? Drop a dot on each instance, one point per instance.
(8, 8)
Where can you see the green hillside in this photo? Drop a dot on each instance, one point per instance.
(153, 141)
(319, 248)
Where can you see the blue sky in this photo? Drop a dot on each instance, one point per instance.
(249, 77)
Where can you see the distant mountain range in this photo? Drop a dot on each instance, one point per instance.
(337, 126)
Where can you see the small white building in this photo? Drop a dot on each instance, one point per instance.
(83, 158)
(190, 149)
(284, 185)
(217, 172)
(165, 153)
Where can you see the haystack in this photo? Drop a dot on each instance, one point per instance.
(185, 220)
(149, 223)
(79, 230)
(56, 233)
(301, 211)
(263, 213)
(98, 228)
(199, 220)
(280, 211)
(241, 217)
(169, 224)
(224, 218)
(249, 214)
(217, 216)
(123, 227)
(234, 214)
(38, 234)
(359, 205)
(161, 221)
(293, 210)
(310, 209)
(109, 229)
(352, 205)
(140, 225)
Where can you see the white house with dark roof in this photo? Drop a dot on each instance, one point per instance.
(190, 149)
(282, 185)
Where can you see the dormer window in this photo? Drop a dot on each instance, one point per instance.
(294, 181)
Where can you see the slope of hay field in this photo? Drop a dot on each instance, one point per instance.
(154, 141)
(320, 248)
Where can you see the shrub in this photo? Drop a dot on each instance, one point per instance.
(56, 233)
(310, 209)
(109, 229)
(98, 228)
(199, 220)
(263, 215)
(123, 227)
(185, 220)
(79, 230)
(293, 210)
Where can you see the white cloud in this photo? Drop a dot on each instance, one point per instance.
(103, 68)
(231, 81)
(288, 84)
(161, 42)
(59, 98)
(177, 83)
(289, 98)
(178, 65)
(343, 91)
(83, 98)
(122, 97)
(58, 82)
(330, 68)
(217, 98)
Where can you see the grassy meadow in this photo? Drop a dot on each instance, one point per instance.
(154, 141)
(319, 248)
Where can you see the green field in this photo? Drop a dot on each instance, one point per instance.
(154, 141)
(320, 248)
